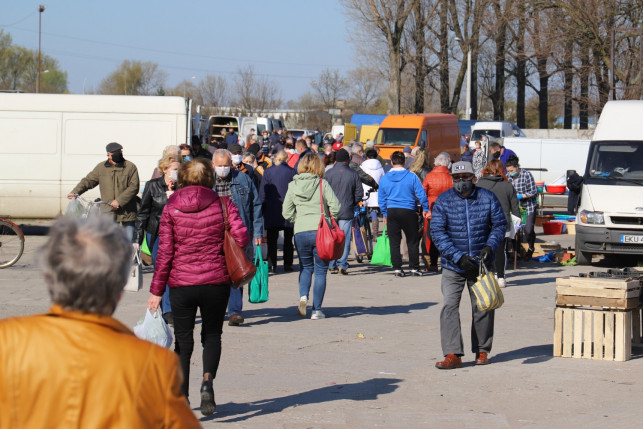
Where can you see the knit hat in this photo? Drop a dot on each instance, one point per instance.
(342, 156)
(113, 147)
(254, 148)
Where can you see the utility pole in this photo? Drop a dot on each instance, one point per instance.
(41, 9)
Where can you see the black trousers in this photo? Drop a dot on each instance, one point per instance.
(212, 301)
(273, 236)
(398, 220)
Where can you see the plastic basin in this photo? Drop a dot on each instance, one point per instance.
(556, 189)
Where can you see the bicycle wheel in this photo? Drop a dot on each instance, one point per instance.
(12, 243)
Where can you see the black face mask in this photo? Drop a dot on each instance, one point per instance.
(117, 157)
(496, 155)
(463, 187)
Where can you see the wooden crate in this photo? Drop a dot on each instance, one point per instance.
(597, 293)
(593, 334)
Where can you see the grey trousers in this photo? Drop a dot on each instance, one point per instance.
(450, 330)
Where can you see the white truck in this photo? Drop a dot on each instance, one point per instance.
(51, 141)
(549, 159)
(610, 212)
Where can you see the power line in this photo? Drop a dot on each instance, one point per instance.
(161, 51)
(19, 21)
(114, 60)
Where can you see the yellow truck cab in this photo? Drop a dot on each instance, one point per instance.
(434, 132)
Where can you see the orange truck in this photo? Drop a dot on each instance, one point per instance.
(434, 132)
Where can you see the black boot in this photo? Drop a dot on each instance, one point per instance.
(208, 406)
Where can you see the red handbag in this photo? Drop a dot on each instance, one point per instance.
(240, 269)
(330, 238)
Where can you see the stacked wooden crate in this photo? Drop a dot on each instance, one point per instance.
(593, 318)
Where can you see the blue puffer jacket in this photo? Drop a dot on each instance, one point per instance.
(465, 225)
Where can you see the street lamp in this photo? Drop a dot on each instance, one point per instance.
(467, 109)
(41, 9)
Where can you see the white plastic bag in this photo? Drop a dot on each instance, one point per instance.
(75, 209)
(135, 279)
(514, 227)
(153, 328)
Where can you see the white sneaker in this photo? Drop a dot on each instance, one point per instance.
(303, 301)
(502, 282)
(317, 314)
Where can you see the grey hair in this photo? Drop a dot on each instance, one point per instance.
(86, 264)
(222, 152)
(357, 148)
(249, 155)
(442, 159)
(171, 150)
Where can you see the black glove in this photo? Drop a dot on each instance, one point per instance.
(485, 254)
(468, 265)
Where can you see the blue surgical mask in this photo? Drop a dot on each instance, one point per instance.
(513, 174)
(187, 158)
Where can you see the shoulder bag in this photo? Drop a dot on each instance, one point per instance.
(330, 238)
(240, 269)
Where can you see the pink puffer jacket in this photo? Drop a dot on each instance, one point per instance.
(191, 240)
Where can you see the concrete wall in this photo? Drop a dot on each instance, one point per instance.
(559, 134)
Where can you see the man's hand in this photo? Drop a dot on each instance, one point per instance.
(384, 220)
(258, 241)
(115, 205)
(468, 265)
(70, 196)
(485, 254)
(153, 302)
(427, 215)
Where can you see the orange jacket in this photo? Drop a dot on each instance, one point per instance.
(72, 370)
(436, 182)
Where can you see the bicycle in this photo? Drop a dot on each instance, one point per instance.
(12, 243)
(363, 216)
(85, 208)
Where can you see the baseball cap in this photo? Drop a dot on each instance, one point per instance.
(462, 167)
(407, 149)
(235, 149)
(337, 145)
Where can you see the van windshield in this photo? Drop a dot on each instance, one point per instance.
(477, 134)
(617, 160)
(397, 136)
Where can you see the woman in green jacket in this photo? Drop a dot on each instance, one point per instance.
(302, 207)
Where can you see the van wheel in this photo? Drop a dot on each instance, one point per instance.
(582, 258)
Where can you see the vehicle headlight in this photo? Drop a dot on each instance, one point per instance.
(595, 218)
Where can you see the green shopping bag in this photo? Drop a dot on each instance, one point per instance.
(258, 290)
(145, 248)
(382, 250)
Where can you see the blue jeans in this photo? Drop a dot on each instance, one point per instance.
(129, 229)
(165, 300)
(309, 263)
(347, 227)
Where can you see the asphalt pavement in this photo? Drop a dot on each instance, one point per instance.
(370, 363)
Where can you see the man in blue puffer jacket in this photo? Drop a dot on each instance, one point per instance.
(467, 224)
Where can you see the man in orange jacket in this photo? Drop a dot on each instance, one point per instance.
(436, 182)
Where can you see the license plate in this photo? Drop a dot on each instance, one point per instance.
(632, 239)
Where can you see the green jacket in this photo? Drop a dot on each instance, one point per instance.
(302, 205)
(116, 182)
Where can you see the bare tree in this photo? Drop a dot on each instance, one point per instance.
(389, 18)
(329, 87)
(256, 94)
(214, 91)
(364, 88)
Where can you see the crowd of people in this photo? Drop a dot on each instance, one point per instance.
(275, 185)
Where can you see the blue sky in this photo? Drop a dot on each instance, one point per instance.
(289, 41)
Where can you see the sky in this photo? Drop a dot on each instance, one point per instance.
(288, 41)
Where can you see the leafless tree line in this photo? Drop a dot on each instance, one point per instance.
(560, 52)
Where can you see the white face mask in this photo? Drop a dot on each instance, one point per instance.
(236, 159)
(174, 175)
(222, 172)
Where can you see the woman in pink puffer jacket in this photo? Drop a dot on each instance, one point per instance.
(191, 262)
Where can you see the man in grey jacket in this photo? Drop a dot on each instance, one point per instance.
(348, 188)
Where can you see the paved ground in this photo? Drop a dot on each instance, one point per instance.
(371, 362)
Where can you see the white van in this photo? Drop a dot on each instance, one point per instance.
(51, 141)
(499, 129)
(269, 124)
(610, 214)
